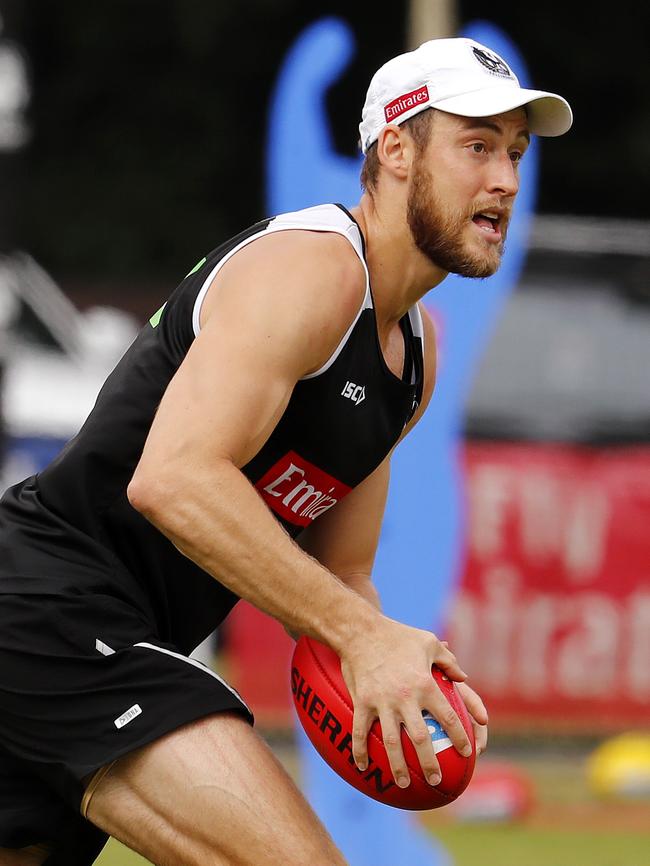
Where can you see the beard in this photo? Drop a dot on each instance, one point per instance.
(439, 233)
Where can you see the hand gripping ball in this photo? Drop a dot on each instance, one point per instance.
(325, 709)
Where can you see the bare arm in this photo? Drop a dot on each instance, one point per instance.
(266, 322)
(270, 318)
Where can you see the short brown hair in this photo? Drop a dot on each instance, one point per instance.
(419, 128)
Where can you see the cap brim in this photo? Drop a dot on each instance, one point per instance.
(548, 113)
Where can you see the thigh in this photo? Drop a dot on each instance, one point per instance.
(210, 792)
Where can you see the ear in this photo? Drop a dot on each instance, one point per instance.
(395, 150)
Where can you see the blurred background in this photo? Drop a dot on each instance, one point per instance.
(134, 137)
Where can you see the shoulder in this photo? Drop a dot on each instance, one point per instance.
(313, 258)
(305, 282)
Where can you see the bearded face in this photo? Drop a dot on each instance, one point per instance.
(459, 241)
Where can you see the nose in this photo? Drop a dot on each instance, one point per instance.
(503, 179)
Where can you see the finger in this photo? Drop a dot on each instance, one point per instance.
(480, 738)
(474, 704)
(441, 709)
(391, 736)
(447, 662)
(361, 723)
(421, 739)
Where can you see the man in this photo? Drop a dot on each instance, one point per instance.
(241, 448)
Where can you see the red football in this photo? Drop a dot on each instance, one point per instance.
(324, 708)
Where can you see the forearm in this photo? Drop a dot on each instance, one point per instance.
(217, 519)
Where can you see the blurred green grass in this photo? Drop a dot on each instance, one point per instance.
(501, 845)
(115, 854)
(519, 845)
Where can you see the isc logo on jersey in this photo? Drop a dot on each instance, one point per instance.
(298, 491)
(356, 393)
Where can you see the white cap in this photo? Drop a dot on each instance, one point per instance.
(459, 76)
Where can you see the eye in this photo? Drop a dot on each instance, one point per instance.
(516, 156)
(478, 147)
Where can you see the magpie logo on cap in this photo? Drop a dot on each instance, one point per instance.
(492, 62)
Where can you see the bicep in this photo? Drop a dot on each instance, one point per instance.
(275, 312)
(224, 400)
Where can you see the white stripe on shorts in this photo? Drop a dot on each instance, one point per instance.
(195, 664)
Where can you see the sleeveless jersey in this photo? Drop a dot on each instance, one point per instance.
(71, 529)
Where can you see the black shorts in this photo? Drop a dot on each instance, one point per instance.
(84, 679)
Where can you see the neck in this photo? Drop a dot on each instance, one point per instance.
(399, 273)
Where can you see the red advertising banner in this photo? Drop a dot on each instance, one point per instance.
(552, 618)
(553, 615)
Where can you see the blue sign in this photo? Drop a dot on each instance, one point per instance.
(420, 549)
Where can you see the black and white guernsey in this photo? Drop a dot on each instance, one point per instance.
(71, 529)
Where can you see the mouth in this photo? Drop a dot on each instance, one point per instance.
(489, 223)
